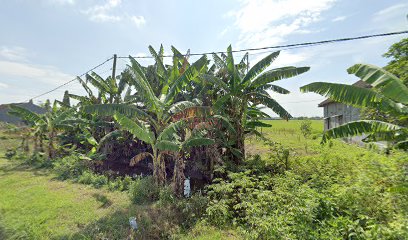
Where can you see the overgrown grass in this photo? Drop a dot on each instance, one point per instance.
(334, 191)
(36, 204)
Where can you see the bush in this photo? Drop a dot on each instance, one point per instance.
(191, 209)
(120, 184)
(99, 180)
(166, 196)
(115, 185)
(263, 207)
(353, 194)
(306, 128)
(86, 177)
(144, 190)
(96, 180)
(70, 166)
(10, 153)
(126, 183)
(37, 159)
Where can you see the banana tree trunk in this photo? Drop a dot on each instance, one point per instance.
(41, 143)
(178, 176)
(159, 169)
(51, 149)
(24, 145)
(240, 142)
(36, 148)
(238, 117)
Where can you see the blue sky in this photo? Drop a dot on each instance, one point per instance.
(47, 42)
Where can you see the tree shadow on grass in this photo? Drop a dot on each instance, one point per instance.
(14, 167)
(153, 223)
(9, 169)
(105, 202)
(113, 226)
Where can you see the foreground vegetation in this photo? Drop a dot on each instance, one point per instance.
(336, 191)
(36, 204)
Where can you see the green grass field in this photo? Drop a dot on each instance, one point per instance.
(35, 206)
(289, 134)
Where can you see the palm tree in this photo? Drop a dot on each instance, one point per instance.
(237, 90)
(388, 94)
(151, 118)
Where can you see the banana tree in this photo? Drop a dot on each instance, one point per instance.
(48, 124)
(167, 142)
(388, 94)
(108, 90)
(237, 90)
(179, 148)
(153, 114)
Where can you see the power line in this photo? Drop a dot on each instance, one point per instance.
(64, 84)
(290, 46)
(314, 100)
(282, 47)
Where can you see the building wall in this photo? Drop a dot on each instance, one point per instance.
(336, 114)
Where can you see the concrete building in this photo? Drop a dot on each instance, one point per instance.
(336, 114)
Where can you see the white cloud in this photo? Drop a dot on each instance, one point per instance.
(223, 32)
(14, 53)
(141, 54)
(339, 19)
(390, 11)
(139, 21)
(263, 22)
(3, 85)
(285, 58)
(38, 73)
(101, 13)
(393, 18)
(63, 2)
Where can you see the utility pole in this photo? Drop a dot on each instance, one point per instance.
(114, 67)
(247, 58)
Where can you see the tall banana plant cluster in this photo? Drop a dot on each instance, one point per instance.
(170, 109)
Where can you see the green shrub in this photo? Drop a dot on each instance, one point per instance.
(262, 206)
(71, 166)
(115, 185)
(86, 177)
(37, 159)
(120, 184)
(126, 183)
(99, 180)
(166, 196)
(338, 194)
(191, 209)
(306, 128)
(144, 190)
(96, 180)
(10, 153)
